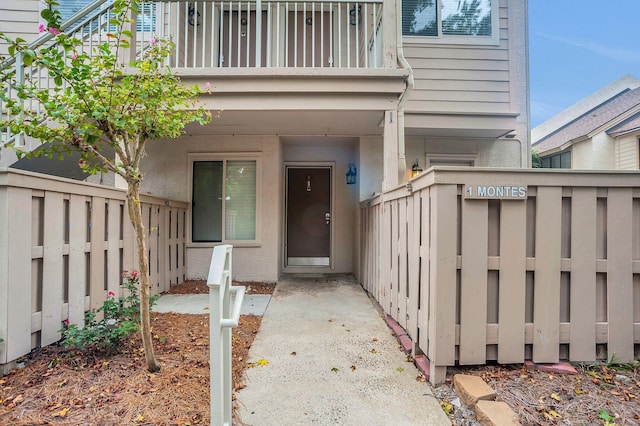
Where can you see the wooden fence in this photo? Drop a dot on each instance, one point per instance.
(63, 247)
(548, 269)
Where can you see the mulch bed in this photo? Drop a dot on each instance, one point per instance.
(596, 393)
(199, 287)
(58, 386)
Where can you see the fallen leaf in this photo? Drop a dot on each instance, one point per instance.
(400, 369)
(556, 397)
(353, 368)
(373, 351)
(334, 369)
(140, 417)
(62, 413)
(294, 353)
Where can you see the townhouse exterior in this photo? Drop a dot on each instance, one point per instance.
(322, 109)
(311, 92)
(601, 131)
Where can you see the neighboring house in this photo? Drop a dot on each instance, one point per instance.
(313, 91)
(600, 132)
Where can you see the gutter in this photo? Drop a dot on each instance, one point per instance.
(404, 97)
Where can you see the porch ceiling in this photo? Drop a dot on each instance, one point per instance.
(292, 123)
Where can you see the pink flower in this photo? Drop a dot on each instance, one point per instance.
(111, 294)
(135, 316)
(82, 163)
(152, 41)
(66, 322)
(41, 28)
(207, 85)
(54, 31)
(134, 274)
(74, 55)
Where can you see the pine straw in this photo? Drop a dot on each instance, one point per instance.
(200, 287)
(580, 398)
(62, 387)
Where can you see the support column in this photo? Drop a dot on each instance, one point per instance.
(390, 150)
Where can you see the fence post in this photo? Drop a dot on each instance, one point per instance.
(221, 320)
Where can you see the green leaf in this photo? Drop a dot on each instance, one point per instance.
(57, 80)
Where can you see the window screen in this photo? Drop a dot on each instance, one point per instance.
(146, 20)
(446, 17)
(224, 201)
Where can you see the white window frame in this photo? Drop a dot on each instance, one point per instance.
(463, 160)
(494, 39)
(225, 156)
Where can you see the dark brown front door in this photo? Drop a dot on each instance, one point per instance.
(308, 221)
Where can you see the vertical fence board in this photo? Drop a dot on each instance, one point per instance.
(402, 262)
(97, 252)
(152, 247)
(385, 259)
(620, 274)
(130, 250)
(393, 282)
(52, 268)
(546, 305)
(425, 272)
(113, 247)
(582, 345)
(413, 278)
(77, 258)
(473, 284)
(512, 278)
(442, 279)
(17, 316)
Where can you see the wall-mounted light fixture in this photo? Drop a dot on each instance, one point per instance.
(193, 16)
(352, 174)
(416, 169)
(243, 26)
(308, 183)
(354, 15)
(309, 20)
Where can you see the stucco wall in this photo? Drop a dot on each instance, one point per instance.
(484, 153)
(371, 166)
(166, 174)
(595, 153)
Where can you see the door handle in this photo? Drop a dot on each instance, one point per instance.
(327, 218)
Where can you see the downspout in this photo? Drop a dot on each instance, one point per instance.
(404, 97)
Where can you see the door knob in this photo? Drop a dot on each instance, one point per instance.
(327, 218)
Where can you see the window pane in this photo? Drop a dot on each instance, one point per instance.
(240, 203)
(466, 17)
(419, 17)
(545, 162)
(68, 7)
(146, 20)
(565, 160)
(207, 201)
(555, 162)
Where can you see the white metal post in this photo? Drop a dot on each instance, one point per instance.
(222, 319)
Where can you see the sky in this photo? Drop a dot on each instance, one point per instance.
(577, 47)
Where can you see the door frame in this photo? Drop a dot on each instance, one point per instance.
(331, 165)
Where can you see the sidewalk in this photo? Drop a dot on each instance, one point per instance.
(331, 361)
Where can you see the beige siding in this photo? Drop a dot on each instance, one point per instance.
(461, 78)
(19, 19)
(627, 153)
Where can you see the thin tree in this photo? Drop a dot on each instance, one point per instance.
(101, 110)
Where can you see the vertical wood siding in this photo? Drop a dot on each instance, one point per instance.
(64, 247)
(554, 276)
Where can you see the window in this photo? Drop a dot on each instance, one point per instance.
(561, 160)
(450, 19)
(146, 20)
(224, 195)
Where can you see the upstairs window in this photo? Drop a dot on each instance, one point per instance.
(450, 20)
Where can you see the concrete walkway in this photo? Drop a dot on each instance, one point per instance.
(253, 304)
(331, 361)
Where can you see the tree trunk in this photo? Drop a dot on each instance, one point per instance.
(135, 215)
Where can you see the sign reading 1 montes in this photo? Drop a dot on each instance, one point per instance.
(495, 192)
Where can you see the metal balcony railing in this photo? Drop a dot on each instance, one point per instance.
(212, 34)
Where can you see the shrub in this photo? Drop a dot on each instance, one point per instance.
(121, 318)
